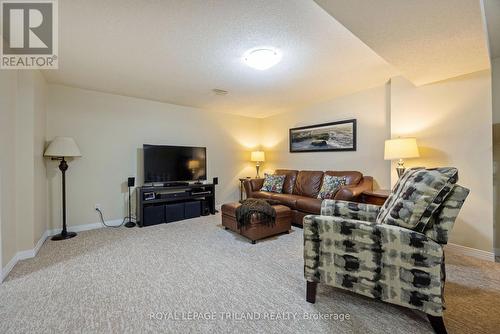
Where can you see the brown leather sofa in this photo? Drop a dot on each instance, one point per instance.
(301, 189)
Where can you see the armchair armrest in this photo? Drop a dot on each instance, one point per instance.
(252, 185)
(380, 261)
(350, 210)
(349, 193)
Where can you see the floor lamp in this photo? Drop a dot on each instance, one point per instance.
(60, 149)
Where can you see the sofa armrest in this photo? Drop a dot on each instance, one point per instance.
(311, 248)
(350, 210)
(252, 185)
(385, 262)
(349, 193)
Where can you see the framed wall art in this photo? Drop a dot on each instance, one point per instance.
(334, 136)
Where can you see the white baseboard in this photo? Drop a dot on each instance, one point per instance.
(27, 254)
(477, 253)
(30, 253)
(6, 270)
(23, 255)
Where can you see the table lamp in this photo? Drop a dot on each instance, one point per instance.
(399, 149)
(257, 157)
(60, 149)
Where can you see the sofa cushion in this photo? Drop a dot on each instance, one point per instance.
(442, 221)
(308, 183)
(273, 183)
(330, 186)
(290, 177)
(351, 177)
(416, 196)
(262, 194)
(309, 205)
(287, 199)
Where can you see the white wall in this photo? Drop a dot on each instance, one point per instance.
(369, 107)
(495, 75)
(25, 168)
(22, 170)
(452, 121)
(8, 93)
(496, 186)
(40, 182)
(111, 130)
(31, 180)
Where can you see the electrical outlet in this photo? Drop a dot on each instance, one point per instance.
(97, 207)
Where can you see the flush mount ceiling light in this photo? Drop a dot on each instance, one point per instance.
(262, 58)
(218, 91)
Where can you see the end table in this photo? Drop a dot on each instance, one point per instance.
(377, 197)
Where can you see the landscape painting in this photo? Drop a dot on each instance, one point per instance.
(335, 136)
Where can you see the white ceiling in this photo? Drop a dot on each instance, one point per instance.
(427, 40)
(178, 51)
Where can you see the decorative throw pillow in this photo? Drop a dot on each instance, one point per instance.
(417, 195)
(442, 221)
(273, 183)
(331, 185)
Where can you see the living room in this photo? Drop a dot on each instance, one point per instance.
(181, 75)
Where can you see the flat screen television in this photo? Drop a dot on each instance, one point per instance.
(174, 163)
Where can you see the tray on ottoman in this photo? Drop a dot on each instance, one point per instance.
(257, 230)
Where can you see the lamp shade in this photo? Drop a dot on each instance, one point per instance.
(258, 156)
(63, 147)
(401, 148)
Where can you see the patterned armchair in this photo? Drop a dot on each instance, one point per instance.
(347, 248)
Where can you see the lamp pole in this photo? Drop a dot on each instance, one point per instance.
(59, 149)
(63, 167)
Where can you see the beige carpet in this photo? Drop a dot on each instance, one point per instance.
(114, 280)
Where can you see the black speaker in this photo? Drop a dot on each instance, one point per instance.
(131, 181)
(131, 221)
(216, 180)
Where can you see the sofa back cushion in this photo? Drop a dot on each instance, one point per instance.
(442, 221)
(308, 183)
(290, 177)
(416, 197)
(352, 178)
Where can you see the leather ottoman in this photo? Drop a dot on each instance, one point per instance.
(257, 230)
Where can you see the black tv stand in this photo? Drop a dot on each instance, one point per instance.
(175, 184)
(156, 205)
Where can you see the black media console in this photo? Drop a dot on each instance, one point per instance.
(157, 205)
